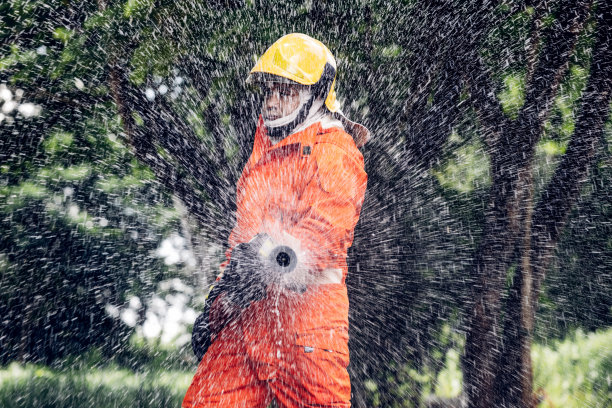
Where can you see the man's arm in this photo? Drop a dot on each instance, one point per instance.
(336, 195)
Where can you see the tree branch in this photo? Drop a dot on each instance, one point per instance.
(509, 207)
(562, 191)
(535, 38)
(551, 67)
(483, 98)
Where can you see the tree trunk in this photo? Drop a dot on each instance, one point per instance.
(549, 218)
(511, 147)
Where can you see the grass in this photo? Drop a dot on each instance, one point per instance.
(33, 385)
(38, 386)
(571, 373)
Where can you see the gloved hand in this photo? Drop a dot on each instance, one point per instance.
(241, 283)
(243, 280)
(201, 336)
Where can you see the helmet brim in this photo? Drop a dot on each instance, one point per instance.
(256, 78)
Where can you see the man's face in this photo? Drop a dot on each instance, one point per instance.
(280, 100)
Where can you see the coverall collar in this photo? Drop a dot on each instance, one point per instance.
(298, 137)
(262, 144)
(305, 136)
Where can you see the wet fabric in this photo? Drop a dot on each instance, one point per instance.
(249, 371)
(292, 345)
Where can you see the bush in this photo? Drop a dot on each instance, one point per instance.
(575, 372)
(33, 385)
(569, 373)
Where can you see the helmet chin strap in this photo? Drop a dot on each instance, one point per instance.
(282, 127)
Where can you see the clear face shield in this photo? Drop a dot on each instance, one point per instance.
(282, 103)
(285, 103)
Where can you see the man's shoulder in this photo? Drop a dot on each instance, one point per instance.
(335, 149)
(337, 140)
(340, 164)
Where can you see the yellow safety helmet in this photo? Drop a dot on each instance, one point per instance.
(299, 59)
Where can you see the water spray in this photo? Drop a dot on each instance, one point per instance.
(252, 267)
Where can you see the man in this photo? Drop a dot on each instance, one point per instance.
(283, 333)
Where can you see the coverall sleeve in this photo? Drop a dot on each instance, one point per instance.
(336, 194)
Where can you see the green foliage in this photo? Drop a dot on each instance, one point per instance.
(137, 8)
(79, 217)
(513, 95)
(449, 380)
(571, 373)
(58, 141)
(467, 170)
(63, 34)
(575, 372)
(104, 387)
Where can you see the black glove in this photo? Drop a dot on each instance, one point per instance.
(242, 283)
(201, 336)
(243, 280)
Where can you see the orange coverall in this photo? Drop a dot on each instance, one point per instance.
(292, 346)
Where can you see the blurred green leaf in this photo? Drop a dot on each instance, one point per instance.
(132, 7)
(58, 140)
(512, 97)
(63, 34)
